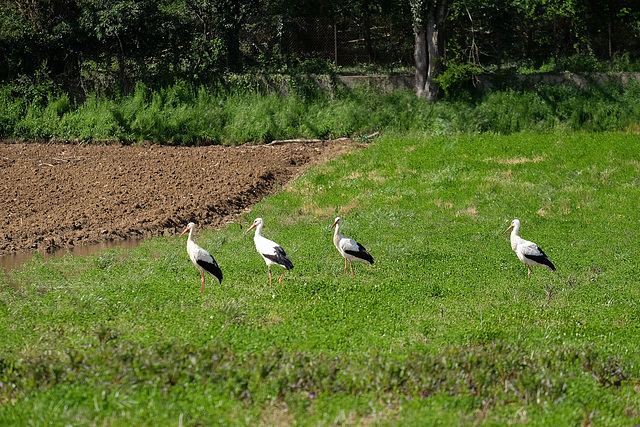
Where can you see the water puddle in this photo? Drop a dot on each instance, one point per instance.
(12, 261)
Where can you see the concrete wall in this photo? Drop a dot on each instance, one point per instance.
(487, 82)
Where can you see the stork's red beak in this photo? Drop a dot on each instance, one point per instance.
(251, 228)
(510, 227)
(185, 230)
(334, 224)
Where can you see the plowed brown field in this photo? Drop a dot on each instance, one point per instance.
(56, 196)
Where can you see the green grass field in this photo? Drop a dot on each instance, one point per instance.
(445, 328)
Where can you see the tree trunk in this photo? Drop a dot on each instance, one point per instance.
(232, 39)
(367, 38)
(435, 42)
(420, 55)
(429, 48)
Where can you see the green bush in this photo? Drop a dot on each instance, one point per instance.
(458, 81)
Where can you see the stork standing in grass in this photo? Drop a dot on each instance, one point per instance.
(349, 248)
(528, 252)
(201, 258)
(271, 252)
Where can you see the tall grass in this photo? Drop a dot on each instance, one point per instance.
(444, 327)
(187, 115)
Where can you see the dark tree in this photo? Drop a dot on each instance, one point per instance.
(429, 17)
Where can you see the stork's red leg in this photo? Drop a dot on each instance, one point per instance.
(345, 268)
(280, 280)
(202, 280)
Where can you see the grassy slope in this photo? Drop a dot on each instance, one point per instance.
(431, 211)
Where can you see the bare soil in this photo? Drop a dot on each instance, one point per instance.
(57, 196)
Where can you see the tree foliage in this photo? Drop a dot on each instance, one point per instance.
(87, 46)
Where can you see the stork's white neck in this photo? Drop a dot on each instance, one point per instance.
(516, 229)
(337, 228)
(515, 237)
(337, 236)
(258, 230)
(190, 238)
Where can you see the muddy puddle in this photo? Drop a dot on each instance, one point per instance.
(16, 260)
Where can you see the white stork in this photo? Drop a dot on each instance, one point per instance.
(349, 248)
(201, 258)
(271, 252)
(528, 252)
